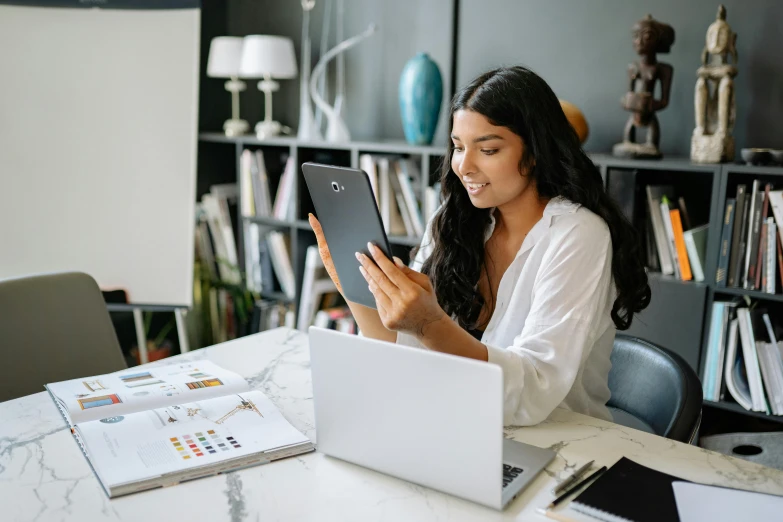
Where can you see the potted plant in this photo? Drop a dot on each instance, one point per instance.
(159, 347)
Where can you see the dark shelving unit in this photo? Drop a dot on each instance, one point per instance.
(679, 312)
(298, 230)
(736, 408)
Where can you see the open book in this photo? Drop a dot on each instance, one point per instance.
(158, 426)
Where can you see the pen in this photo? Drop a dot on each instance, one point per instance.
(573, 478)
(575, 487)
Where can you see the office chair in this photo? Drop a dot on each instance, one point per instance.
(53, 327)
(654, 389)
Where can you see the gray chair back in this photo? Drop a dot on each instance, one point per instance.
(54, 327)
(655, 386)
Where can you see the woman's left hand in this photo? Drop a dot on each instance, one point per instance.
(405, 298)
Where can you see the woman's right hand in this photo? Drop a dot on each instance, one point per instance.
(323, 249)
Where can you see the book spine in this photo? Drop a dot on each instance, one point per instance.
(708, 377)
(667, 224)
(679, 244)
(772, 236)
(780, 258)
(659, 232)
(725, 243)
(761, 257)
(728, 316)
(751, 244)
(737, 240)
(693, 256)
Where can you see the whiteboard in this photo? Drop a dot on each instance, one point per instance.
(98, 137)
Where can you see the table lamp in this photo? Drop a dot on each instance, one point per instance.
(225, 53)
(268, 57)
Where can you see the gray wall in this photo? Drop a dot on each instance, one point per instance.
(582, 49)
(373, 68)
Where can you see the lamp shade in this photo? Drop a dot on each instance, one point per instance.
(225, 53)
(272, 55)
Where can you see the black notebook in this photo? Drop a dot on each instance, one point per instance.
(629, 492)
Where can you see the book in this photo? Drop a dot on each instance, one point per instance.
(629, 491)
(752, 244)
(738, 236)
(734, 373)
(654, 196)
(145, 428)
(725, 243)
(696, 246)
(697, 502)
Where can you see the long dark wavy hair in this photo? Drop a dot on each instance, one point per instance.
(517, 98)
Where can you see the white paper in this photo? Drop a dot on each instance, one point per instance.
(697, 502)
(138, 389)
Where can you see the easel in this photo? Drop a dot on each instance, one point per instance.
(138, 321)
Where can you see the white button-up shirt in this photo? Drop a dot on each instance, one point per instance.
(551, 331)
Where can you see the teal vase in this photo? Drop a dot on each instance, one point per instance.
(421, 93)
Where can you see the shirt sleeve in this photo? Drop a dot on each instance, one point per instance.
(568, 297)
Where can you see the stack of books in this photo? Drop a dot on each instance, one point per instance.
(749, 247)
(674, 246)
(744, 358)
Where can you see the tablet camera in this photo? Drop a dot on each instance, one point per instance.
(335, 186)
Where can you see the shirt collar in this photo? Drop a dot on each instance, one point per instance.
(556, 206)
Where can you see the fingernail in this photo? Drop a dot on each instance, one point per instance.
(398, 262)
(370, 247)
(358, 256)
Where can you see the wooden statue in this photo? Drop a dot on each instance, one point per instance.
(714, 102)
(650, 37)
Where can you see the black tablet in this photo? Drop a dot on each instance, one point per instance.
(346, 208)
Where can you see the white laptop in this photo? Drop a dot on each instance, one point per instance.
(423, 416)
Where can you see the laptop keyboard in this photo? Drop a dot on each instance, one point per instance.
(509, 474)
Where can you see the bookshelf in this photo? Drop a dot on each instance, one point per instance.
(297, 230)
(732, 176)
(679, 312)
(677, 309)
(736, 408)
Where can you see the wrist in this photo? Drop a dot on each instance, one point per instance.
(433, 330)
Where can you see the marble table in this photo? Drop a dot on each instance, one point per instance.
(44, 476)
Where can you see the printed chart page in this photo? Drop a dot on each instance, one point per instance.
(129, 448)
(135, 390)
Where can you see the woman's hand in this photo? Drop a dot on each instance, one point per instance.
(405, 298)
(323, 249)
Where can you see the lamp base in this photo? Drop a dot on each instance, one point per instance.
(236, 127)
(268, 129)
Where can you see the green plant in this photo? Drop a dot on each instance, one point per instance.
(243, 298)
(202, 319)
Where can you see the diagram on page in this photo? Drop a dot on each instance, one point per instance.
(138, 390)
(214, 413)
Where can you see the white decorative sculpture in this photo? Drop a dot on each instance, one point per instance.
(336, 129)
(714, 99)
(325, 26)
(307, 131)
(339, 98)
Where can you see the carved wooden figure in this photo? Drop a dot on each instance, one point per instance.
(714, 101)
(650, 37)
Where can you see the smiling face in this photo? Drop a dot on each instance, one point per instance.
(487, 159)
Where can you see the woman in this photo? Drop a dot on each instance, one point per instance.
(527, 264)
